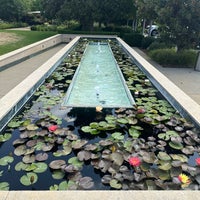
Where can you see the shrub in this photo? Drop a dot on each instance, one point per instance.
(159, 45)
(169, 57)
(147, 41)
(133, 39)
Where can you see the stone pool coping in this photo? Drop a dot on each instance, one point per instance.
(100, 195)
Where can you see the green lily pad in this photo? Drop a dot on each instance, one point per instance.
(54, 187)
(117, 136)
(5, 137)
(41, 167)
(29, 179)
(20, 166)
(32, 127)
(176, 145)
(134, 132)
(6, 160)
(164, 175)
(4, 186)
(179, 157)
(66, 151)
(165, 166)
(67, 185)
(31, 167)
(14, 124)
(164, 156)
(122, 121)
(75, 162)
(115, 184)
(57, 174)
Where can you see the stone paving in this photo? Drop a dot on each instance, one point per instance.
(187, 79)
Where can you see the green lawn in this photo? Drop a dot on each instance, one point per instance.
(27, 37)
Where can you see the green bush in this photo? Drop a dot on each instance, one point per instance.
(133, 39)
(169, 57)
(147, 41)
(159, 45)
(7, 25)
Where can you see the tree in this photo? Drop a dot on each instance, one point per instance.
(12, 10)
(146, 10)
(182, 21)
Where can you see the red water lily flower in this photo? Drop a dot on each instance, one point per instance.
(198, 161)
(134, 161)
(53, 128)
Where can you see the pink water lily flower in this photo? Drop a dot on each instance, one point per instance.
(198, 161)
(52, 128)
(134, 161)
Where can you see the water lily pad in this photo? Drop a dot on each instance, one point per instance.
(5, 137)
(86, 183)
(32, 127)
(29, 159)
(29, 179)
(117, 158)
(122, 121)
(75, 162)
(78, 144)
(106, 179)
(165, 166)
(40, 167)
(135, 133)
(41, 157)
(179, 157)
(4, 186)
(70, 185)
(84, 155)
(57, 174)
(54, 187)
(164, 175)
(20, 166)
(66, 151)
(164, 156)
(6, 160)
(115, 184)
(31, 167)
(149, 157)
(176, 145)
(117, 136)
(14, 124)
(57, 164)
(20, 150)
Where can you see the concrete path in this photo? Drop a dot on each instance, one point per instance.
(187, 79)
(12, 76)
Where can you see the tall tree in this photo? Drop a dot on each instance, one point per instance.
(146, 10)
(12, 10)
(182, 21)
(80, 10)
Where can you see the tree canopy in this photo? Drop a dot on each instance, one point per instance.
(179, 20)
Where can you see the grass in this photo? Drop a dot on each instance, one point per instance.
(27, 37)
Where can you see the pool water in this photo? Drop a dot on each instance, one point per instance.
(98, 81)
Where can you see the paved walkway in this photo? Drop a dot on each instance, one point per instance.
(186, 79)
(12, 76)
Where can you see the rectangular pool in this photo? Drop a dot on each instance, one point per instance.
(98, 81)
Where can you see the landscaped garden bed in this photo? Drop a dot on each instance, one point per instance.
(149, 147)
